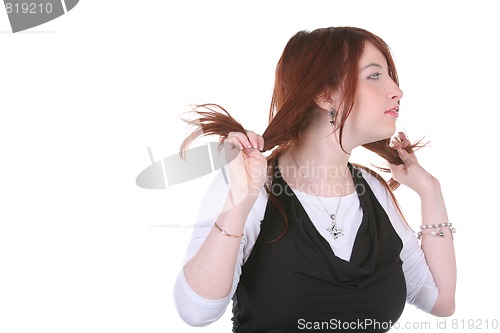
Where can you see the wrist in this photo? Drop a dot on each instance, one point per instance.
(241, 200)
(430, 189)
(436, 230)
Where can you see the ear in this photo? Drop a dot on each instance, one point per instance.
(326, 100)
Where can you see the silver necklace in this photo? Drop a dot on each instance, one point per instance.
(332, 229)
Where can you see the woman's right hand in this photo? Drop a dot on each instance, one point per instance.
(248, 169)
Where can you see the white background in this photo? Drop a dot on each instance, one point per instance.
(83, 249)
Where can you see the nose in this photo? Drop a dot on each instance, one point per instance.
(395, 92)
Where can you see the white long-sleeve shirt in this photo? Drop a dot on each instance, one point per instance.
(199, 311)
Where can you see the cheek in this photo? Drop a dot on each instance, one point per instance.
(364, 99)
(360, 119)
(364, 110)
(368, 120)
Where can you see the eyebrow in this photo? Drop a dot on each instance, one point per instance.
(370, 65)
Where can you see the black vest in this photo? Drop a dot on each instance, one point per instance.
(297, 283)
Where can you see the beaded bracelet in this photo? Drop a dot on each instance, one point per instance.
(435, 233)
(225, 233)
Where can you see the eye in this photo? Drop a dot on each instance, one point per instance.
(375, 76)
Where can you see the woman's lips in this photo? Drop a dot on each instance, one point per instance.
(393, 112)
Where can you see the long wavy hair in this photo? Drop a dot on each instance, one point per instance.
(312, 63)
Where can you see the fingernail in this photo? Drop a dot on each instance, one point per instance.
(402, 152)
(248, 144)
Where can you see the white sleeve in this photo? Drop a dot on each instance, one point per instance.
(421, 288)
(192, 308)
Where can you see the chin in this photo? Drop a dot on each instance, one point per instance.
(385, 135)
(389, 133)
(374, 134)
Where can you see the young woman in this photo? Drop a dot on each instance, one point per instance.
(303, 239)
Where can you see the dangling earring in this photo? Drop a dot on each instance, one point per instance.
(331, 113)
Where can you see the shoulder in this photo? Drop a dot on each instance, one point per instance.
(383, 193)
(376, 182)
(387, 200)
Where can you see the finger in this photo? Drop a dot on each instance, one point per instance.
(241, 137)
(233, 141)
(402, 136)
(396, 145)
(253, 153)
(260, 141)
(253, 138)
(395, 140)
(406, 157)
(404, 141)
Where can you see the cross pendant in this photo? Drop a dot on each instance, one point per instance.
(336, 233)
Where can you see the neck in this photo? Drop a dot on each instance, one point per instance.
(322, 164)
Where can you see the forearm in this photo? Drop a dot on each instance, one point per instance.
(210, 272)
(439, 251)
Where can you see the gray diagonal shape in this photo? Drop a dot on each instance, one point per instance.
(218, 156)
(38, 12)
(70, 4)
(200, 161)
(196, 164)
(152, 177)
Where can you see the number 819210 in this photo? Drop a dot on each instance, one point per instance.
(28, 8)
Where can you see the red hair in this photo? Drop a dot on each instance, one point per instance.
(312, 63)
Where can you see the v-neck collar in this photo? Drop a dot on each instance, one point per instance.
(367, 254)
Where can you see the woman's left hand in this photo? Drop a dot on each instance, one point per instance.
(411, 173)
